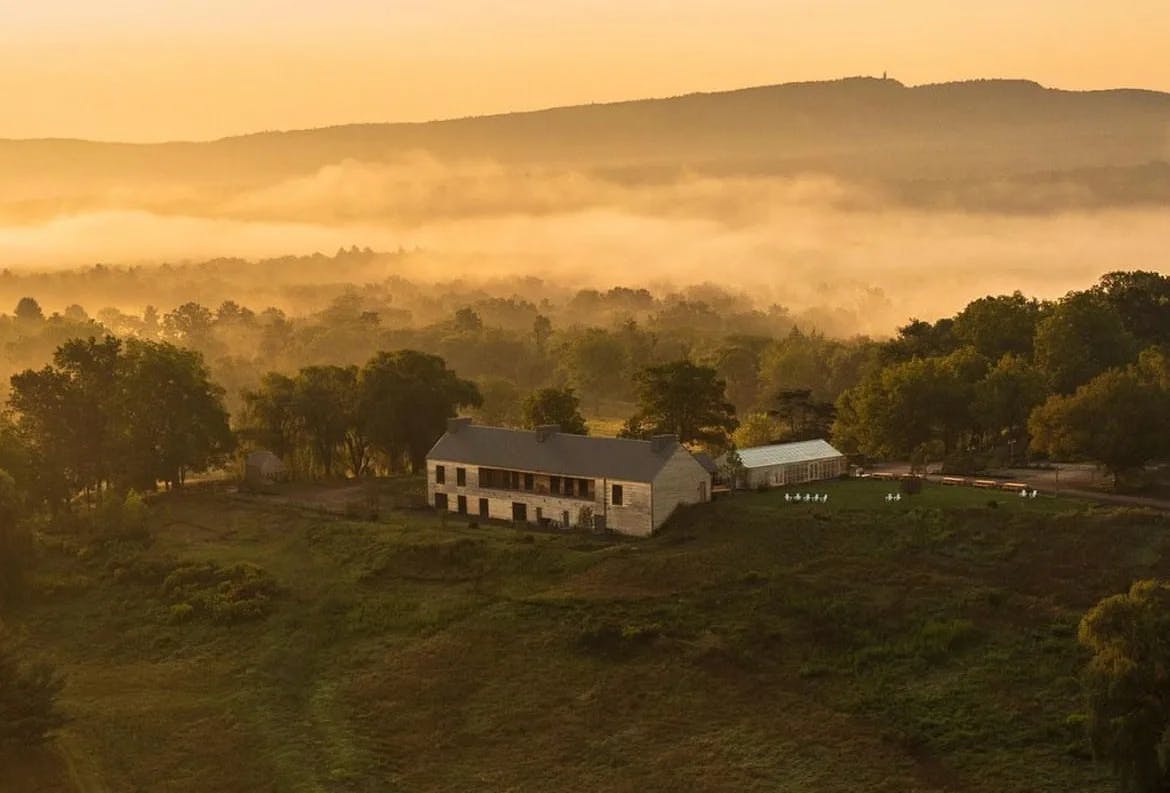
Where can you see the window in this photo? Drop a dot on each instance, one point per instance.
(555, 485)
(515, 480)
(462, 502)
(460, 476)
(441, 501)
(484, 510)
(440, 475)
(527, 481)
(569, 487)
(583, 488)
(617, 495)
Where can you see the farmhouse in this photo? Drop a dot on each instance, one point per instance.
(552, 478)
(789, 464)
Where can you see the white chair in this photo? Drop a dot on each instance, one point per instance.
(897, 496)
(1024, 493)
(1034, 493)
(889, 496)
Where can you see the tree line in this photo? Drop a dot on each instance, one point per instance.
(1008, 377)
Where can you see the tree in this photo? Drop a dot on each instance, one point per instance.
(503, 403)
(1081, 338)
(683, 399)
(1127, 684)
(407, 397)
(28, 701)
(558, 406)
(270, 417)
(1006, 397)
(756, 429)
(325, 400)
(66, 411)
(29, 310)
(541, 332)
(468, 321)
(1000, 325)
(739, 366)
(909, 404)
(919, 339)
(15, 546)
(1142, 300)
(1117, 419)
(171, 416)
(595, 362)
(190, 324)
(803, 417)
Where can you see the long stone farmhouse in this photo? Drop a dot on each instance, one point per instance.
(551, 478)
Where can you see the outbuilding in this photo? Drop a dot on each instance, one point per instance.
(789, 464)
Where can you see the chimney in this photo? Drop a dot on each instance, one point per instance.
(544, 431)
(661, 443)
(456, 424)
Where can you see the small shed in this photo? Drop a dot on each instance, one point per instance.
(263, 469)
(789, 464)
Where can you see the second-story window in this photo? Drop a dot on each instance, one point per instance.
(528, 481)
(618, 495)
(461, 476)
(440, 475)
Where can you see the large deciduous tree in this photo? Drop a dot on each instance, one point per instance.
(1081, 337)
(683, 399)
(172, 419)
(558, 406)
(407, 397)
(1142, 300)
(1117, 419)
(907, 405)
(1128, 684)
(1000, 325)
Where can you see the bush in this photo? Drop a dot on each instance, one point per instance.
(28, 701)
(181, 612)
(223, 595)
(910, 485)
(936, 640)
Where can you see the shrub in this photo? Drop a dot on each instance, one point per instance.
(936, 640)
(910, 485)
(28, 701)
(223, 595)
(181, 612)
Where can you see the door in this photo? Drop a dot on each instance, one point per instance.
(441, 501)
(484, 511)
(519, 512)
(461, 503)
(702, 492)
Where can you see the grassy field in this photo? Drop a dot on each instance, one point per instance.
(925, 645)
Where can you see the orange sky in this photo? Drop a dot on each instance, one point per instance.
(146, 70)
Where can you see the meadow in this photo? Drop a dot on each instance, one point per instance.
(251, 644)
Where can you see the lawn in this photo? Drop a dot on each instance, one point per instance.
(924, 645)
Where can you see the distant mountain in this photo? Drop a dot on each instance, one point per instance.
(923, 139)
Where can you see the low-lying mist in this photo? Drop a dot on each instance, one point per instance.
(860, 255)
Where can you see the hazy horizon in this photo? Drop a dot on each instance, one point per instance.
(186, 70)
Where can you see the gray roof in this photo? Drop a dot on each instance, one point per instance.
(559, 453)
(783, 453)
(706, 461)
